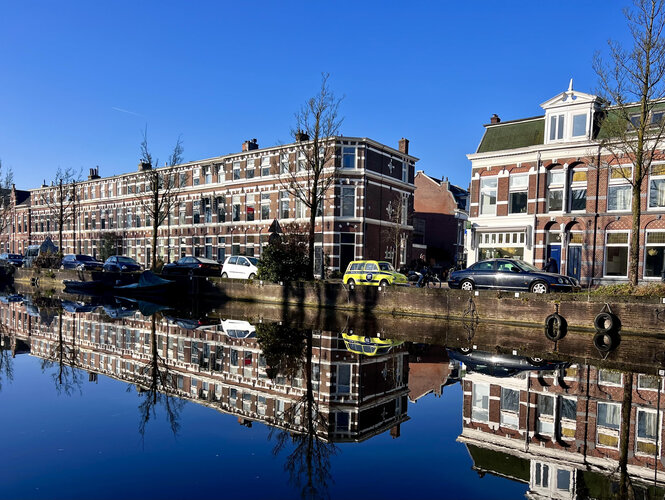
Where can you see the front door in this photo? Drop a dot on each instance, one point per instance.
(554, 251)
(346, 255)
(574, 261)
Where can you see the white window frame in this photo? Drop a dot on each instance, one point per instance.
(619, 182)
(659, 430)
(487, 190)
(576, 186)
(347, 189)
(346, 151)
(657, 178)
(627, 245)
(509, 418)
(556, 187)
(265, 164)
(514, 187)
(236, 170)
(480, 413)
(609, 431)
(284, 163)
(648, 245)
(572, 125)
(546, 419)
(557, 127)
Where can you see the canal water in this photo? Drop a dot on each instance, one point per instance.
(111, 398)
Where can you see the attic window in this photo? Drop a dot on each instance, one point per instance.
(556, 127)
(634, 122)
(657, 117)
(579, 125)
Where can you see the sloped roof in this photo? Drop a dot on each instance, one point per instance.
(513, 135)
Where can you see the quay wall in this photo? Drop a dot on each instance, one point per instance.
(637, 315)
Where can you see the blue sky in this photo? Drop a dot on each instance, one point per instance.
(80, 80)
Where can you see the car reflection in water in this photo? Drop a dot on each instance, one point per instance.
(369, 346)
(501, 365)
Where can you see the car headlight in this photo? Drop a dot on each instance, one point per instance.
(123, 267)
(560, 280)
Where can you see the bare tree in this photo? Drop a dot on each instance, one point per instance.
(161, 187)
(633, 84)
(317, 124)
(6, 206)
(62, 201)
(396, 231)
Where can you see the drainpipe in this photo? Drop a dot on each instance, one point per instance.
(595, 221)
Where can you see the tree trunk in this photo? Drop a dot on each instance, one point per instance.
(634, 257)
(625, 486)
(155, 227)
(310, 238)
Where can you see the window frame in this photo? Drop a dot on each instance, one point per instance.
(612, 245)
(660, 178)
(555, 187)
(619, 182)
(574, 185)
(487, 191)
(518, 190)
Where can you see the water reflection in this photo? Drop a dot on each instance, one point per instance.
(565, 426)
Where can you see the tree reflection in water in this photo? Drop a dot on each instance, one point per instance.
(157, 386)
(288, 352)
(67, 376)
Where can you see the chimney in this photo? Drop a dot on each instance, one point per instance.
(94, 173)
(301, 136)
(250, 145)
(144, 165)
(404, 145)
(495, 119)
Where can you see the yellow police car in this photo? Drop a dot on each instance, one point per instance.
(368, 346)
(372, 272)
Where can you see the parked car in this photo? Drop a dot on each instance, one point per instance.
(13, 258)
(193, 266)
(81, 262)
(372, 272)
(239, 266)
(119, 263)
(511, 274)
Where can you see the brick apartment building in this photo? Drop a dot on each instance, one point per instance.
(220, 365)
(440, 212)
(560, 433)
(226, 204)
(544, 187)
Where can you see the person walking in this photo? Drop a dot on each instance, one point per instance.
(551, 266)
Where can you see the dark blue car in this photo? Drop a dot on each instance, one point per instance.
(121, 264)
(81, 263)
(13, 258)
(510, 274)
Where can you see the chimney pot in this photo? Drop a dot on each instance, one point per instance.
(495, 119)
(404, 145)
(250, 145)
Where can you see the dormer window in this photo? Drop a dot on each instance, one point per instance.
(556, 127)
(579, 125)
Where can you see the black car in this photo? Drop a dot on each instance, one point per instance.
(510, 274)
(13, 258)
(118, 263)
(502, 365)
(193, 266)
(81, 262)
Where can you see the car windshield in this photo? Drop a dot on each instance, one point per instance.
(526, 267)
(14, 256)
(126, 260)
(386, 266)
(253, 260)
(84, 257)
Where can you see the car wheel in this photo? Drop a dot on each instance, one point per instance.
(384, 283)
(539, 287)
(62, 267)
(224, 275)
(536, 361)
(351, 282)
(252, 276)
(465, 350)
(467, 285)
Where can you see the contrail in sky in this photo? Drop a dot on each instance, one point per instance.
(126, 111)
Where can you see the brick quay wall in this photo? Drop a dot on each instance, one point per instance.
(637, 315)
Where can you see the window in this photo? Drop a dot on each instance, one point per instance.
(480, 402)
(648, 382)
(183, 180)
(342, 419)
(250, 207)
(300, 209)
(488, 196)
(265, 206)
(405, 172)
(235, 209)
(283, 163)
(343, 379)
(578, 184)
(249, 169)
(616, 254)
(619, 191)
(348, 157)
(265, 166)
(568, 413)
(510, 407)
(301, 162)
(518, 194)
(182, 215)
(555, 180)
(284, 205)
(221, 249)
(196, 177)
(221, 208)
(579, 125)
(609, 419)
(556, 127)
(647, 432)
(545, 414)
(348, 202)
(609, 377)
(208, 174)
(236, 170)
(207, 210)
(196, 211)
(404, 215)
(657, 186)
(542, 475)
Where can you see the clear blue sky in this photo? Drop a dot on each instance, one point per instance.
(80, 80)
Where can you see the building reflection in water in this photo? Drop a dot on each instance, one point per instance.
(311, 386)
(562, 431)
